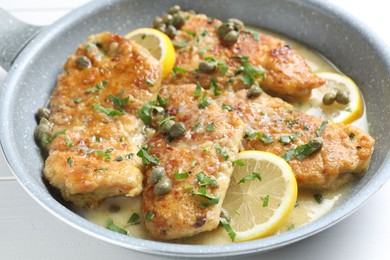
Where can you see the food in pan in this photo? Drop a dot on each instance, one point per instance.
(119, 124)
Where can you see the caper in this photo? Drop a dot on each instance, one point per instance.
(156, 174)
(161, 27)
(83, 62)
(43, 112)
(174, 9)
(328, 98)
(342, 97)
(164, 128)
(42, 131)
(163, 186)
(157, 21)
(238, 25)
(178, 20)
(316, 144)
(225, 214)
(177, 129)
(207, 66)
(167, 18)
(171, 31)
(224, 29)
(230, 38)
(254, 92)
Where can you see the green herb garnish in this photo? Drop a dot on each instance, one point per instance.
(228, 228)
(203, 180)
(134, 219)
(211, 200)
(146, 111)
(210, 127)
(239, 163)
(111, 226)
(70, 161)
(204, 101)
(107, 111)
(319, 131)
(181, 175)
(198, 89)
(251, 177)
(227, 107)
(150, 215)
(147, 158)
(249, 72)
(99, 86)
(265, 201)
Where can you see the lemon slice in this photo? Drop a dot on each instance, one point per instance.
(259, 208)
(337, 112)
(158, 44)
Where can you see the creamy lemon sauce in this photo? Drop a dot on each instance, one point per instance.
(307, 208)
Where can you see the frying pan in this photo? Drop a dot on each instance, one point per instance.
(35, 56)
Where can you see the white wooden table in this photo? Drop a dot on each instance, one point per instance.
(27, 231)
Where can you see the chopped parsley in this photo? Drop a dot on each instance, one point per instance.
(180, 44)
(265, 201)
(47, 139)
(239, 163)
(177, 70)
(210, 200)
(162, 121)
(150, 215)
(181, 175)
(228, 228)
(210, 127)
(203, 180)
(108, 111)
(319, 131)
(145, 112)
(147, 158)
(105, 154)
(352, 135)
(285, 139)
(227, 107)
(111, 226)
(220, 151)
(214, 87)
(303, 151)
(99, 86)
(204, 101)
(77, 100)
(198, 89)
(251, 177)
(162, 101)
(134, 219)
(70, 161)
(261, 137)
(119, 101)
(248, 72)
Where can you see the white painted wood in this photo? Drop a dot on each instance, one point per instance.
(27, 231)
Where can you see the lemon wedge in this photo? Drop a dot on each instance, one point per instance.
(345, 113)
(158, 44)
(261, 195)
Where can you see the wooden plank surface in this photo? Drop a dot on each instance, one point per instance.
(27, 231)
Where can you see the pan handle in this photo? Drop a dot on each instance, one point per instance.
(14, 36)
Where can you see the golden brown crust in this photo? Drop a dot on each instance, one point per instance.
(286, 72)
(179, 213)
(346, 149)
(88, 162)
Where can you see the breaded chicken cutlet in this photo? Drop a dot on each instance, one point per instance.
(198, 164)
(278, 69)
(92, 134)
(322, 154)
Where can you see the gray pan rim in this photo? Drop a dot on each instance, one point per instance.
(161, 248)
